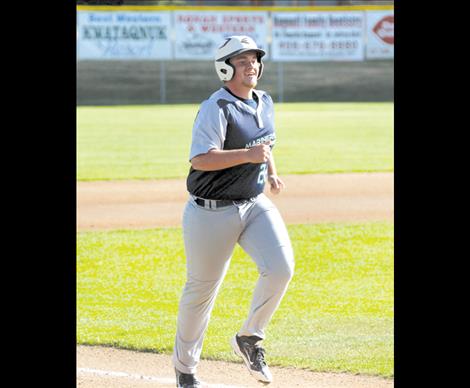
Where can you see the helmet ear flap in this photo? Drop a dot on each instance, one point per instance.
(230, 70)
(225, 70)
(260, 71)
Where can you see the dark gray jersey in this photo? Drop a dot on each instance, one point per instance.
(225, 122)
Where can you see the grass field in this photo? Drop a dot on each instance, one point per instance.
(146, 142)
(337, 313)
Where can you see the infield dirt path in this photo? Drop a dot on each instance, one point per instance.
(148, 204)
(312, 198)
(99, 367)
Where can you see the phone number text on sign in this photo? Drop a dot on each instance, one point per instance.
(309, 46)
(318, 36)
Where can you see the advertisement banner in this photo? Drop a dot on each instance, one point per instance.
(199, 33)
(318, 36)
(380, 35)
(123, 35)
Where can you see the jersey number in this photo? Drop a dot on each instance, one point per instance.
(263, 173)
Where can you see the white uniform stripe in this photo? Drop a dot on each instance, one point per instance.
(134, 376)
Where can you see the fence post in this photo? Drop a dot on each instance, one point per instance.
(162, 82)
(280, 81)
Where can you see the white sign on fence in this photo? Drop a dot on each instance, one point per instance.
(123, 35)
(380, 34)
(199, 33)
(318, 36)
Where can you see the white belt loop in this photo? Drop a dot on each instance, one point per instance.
(207, 204)
(213, 204)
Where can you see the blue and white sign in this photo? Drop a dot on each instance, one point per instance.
(318, 36)
(199, 33)
(123, 35)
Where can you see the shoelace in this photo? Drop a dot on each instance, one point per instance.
(257, 354)
(260, 355)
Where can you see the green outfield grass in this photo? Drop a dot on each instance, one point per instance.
(147, 142)
(336, 316)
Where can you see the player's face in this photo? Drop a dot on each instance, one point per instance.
(246, 68)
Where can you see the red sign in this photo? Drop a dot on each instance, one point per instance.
(384, 29)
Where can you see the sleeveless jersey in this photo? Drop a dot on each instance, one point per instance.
(225, 122)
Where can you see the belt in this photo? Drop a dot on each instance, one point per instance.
(213, 203)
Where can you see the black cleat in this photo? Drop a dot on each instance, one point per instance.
(186, 380)
(253, 356)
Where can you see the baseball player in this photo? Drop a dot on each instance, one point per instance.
(231, 160)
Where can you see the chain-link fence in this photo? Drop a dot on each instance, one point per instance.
(141, 82)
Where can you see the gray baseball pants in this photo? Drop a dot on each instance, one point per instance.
(210, 236)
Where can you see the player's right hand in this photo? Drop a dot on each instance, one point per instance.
(259, 154)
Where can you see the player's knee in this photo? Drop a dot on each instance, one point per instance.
(286, 272)
(197, 292)
(283, 272)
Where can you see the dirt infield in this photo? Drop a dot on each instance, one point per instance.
(107, 367)
(148, 204)
(307, 199)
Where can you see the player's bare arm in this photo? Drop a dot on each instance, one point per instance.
(220, 159)
(276, 184)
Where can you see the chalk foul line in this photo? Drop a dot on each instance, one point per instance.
(135, 376)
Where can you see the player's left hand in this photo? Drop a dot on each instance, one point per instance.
(276, 184)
